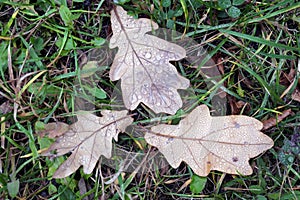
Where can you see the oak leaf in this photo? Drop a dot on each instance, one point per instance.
(142, 64)
(53, 129)
(88, 139)
(273, 121)
(296, 94)
(206, 143)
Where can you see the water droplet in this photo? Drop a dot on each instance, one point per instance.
(171, 55)
(139, 97)
(83, 160)
(133, 98)
(237, 125)
(165, 100)
(169, 140)
(148, 55)
(145, 40)
(144, 90)
(159, 69)
(151, 100)
(113, 40)
(161, 62)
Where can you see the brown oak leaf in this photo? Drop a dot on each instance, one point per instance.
(53, 129)
(142, 64)
(273, 121)
(88, 139)
(296, 94)
(206, 143)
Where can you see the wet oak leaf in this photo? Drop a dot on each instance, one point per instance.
(88, 139)
(206, 143)
(142, 64)
(53, 129)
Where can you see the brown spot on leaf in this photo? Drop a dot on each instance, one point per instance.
(235, 159)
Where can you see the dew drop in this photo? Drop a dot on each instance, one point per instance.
(165, 101)
(83, 160)
(113, 40)
(246, 143)
(148, 55)
(133, 98)
(159, 69)
(151, 100)
(144, 90)
(171, 55)
(237, 125)
(161, 62)
(169, 140)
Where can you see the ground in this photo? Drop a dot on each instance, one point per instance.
(252, 45)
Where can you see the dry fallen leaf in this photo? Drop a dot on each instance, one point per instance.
(296, 94)
(208, 143)
(53, 129)
(142, 64)
(88, 139)
(269, 123)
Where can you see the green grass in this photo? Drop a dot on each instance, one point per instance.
(44, 43)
